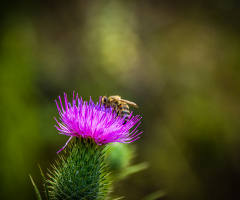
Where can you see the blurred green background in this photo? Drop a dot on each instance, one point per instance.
(178, 60)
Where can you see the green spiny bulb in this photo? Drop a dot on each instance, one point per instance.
(80, 173)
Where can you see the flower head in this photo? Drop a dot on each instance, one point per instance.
(90, 120)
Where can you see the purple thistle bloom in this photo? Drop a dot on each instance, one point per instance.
(89, 120)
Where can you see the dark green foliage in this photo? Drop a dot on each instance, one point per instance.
(80, 172)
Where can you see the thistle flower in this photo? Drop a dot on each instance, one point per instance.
(89, 120)
(81, 172)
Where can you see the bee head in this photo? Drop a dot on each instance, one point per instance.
(104, 99)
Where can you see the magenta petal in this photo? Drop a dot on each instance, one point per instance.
(65, 144)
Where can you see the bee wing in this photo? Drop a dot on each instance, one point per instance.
(118, 98)
(128, 102)
(115, 97)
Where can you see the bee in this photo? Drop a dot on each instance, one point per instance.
(120, 106)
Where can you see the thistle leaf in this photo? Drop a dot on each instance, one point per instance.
(36, 189)
(155, 195)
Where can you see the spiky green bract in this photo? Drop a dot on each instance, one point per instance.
(80, 173)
